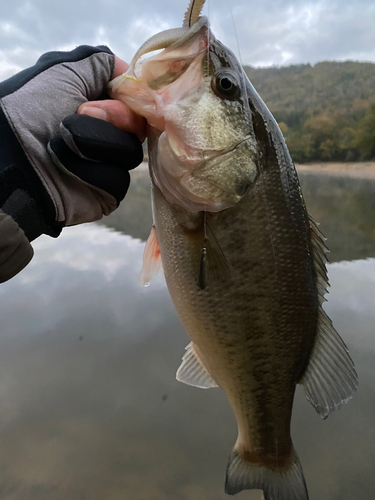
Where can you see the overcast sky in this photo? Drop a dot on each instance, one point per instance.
(270, 32)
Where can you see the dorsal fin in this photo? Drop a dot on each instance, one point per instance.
(320, 258)
(330, 379)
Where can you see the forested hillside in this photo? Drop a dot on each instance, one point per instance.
(326, 112)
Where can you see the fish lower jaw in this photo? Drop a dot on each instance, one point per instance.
(188, 201)
(202, 180)
(176, 190)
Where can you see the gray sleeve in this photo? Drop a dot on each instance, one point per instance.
(15, 249)
(35, 111)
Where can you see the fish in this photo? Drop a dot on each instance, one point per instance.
(244, 262)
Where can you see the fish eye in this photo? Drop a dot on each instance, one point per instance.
(225, 84)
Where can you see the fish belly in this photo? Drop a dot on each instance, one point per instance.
(256, 328)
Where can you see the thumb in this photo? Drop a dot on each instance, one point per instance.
(117, 113)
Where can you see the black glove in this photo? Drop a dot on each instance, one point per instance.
(58, 168)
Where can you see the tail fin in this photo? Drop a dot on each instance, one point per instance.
(284, 484)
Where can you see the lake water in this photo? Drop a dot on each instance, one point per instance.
(89, 405)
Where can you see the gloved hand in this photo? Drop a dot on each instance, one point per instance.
(57, 167)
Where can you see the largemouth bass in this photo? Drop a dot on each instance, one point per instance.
(243, 261)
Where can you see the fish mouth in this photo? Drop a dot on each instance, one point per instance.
(195, 158)
(227, 150)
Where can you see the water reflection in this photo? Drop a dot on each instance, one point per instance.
(345, 208)
(134, 215)
(89, 405)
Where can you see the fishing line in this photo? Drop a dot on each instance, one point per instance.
(208, 39)
(205, 224)
(203, 264)
(236, 35)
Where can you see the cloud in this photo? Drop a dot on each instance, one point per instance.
(89, 404)
(269, 32)
(300, 32)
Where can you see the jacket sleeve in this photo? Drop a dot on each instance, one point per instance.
(15, 249)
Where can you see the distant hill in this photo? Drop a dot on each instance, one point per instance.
(326, 111)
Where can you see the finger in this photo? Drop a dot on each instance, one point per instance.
(114, 179)
(117, 113)
(120, 67)
(101, 141)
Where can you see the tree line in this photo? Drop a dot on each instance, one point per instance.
(326, 111)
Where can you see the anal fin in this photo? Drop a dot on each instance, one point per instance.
(192, 370)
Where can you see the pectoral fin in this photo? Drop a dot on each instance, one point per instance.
(151, 258)
(192, 370)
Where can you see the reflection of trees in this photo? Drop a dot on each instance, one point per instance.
(326, 112)
(345, 207)
(134, 215)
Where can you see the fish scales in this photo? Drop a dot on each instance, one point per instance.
(243, 261)
(261, 324)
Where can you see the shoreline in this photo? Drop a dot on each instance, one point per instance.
(359, 170)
